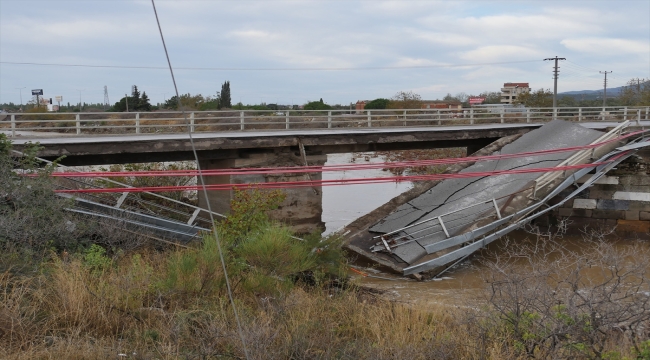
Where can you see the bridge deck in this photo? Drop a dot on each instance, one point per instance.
(110, 149)
(452, 195)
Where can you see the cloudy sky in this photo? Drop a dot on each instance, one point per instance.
(294, 51)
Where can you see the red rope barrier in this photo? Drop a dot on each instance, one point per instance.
(357, 181)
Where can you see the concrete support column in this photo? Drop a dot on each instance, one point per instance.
(302, 207)
(219, 200)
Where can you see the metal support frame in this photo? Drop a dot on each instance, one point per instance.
(496, 208)
(13, 125)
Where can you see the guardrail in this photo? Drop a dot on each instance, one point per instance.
(242, 120)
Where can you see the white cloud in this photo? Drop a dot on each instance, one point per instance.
(496, 53)
(594, 45)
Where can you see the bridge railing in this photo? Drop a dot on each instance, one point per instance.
(242, 120)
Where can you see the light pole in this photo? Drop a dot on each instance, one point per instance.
(21, 97)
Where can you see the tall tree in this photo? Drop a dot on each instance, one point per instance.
(134, 100)
(636, 93)
(405, 100)
(143, 103)
(224, 96)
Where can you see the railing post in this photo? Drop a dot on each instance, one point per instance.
(137, 123)
(554, 113)
(471, 116)
(241, 120)
(502, 114)
(625, 113)
(647, 112)
(13, 125)
(528, 115)
(603, 117)
(286, 120)
(579, 114)
(442, 225)
(369, 119)
(638, 117)
(496, 208)
(78, 120)
(191, 121)
(404, 114)
(329, 119)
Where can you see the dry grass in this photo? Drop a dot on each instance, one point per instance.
(66, 311)
(77, 309)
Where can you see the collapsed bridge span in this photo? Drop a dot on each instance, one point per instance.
(455, 217)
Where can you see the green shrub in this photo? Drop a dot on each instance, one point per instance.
(377, 104)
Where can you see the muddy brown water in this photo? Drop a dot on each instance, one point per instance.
(466, 283)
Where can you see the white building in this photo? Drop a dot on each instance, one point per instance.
(510, 91)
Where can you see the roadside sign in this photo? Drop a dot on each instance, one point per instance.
(476, 100)
(37, 92)
(58, 98)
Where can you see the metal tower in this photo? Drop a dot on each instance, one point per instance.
(107, 103)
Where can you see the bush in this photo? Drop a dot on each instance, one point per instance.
(261, 256)
(317, 105)
(377, 104)
(32, 217)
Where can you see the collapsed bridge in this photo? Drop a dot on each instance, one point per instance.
(456, 217)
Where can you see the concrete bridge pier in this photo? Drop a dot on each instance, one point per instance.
(302, 207)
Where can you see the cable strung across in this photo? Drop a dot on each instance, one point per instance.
(357, 181)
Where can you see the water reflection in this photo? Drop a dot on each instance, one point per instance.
(344, 204)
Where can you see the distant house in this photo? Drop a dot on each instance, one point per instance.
(441, 104)
(510, 91)
(361, 104)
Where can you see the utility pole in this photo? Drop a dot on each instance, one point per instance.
(556, 72)
(21, 97)
(605, 87)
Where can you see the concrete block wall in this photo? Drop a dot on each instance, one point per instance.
(621, 200)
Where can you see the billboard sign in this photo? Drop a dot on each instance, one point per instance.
(58, 98)
(476, 100)
(37, 92)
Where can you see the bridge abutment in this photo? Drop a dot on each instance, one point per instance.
(620, 201)
(302, 208)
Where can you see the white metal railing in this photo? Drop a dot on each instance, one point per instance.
(241, 120)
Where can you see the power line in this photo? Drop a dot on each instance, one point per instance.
(271, 69)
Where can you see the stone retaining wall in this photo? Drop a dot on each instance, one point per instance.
(619, 201)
